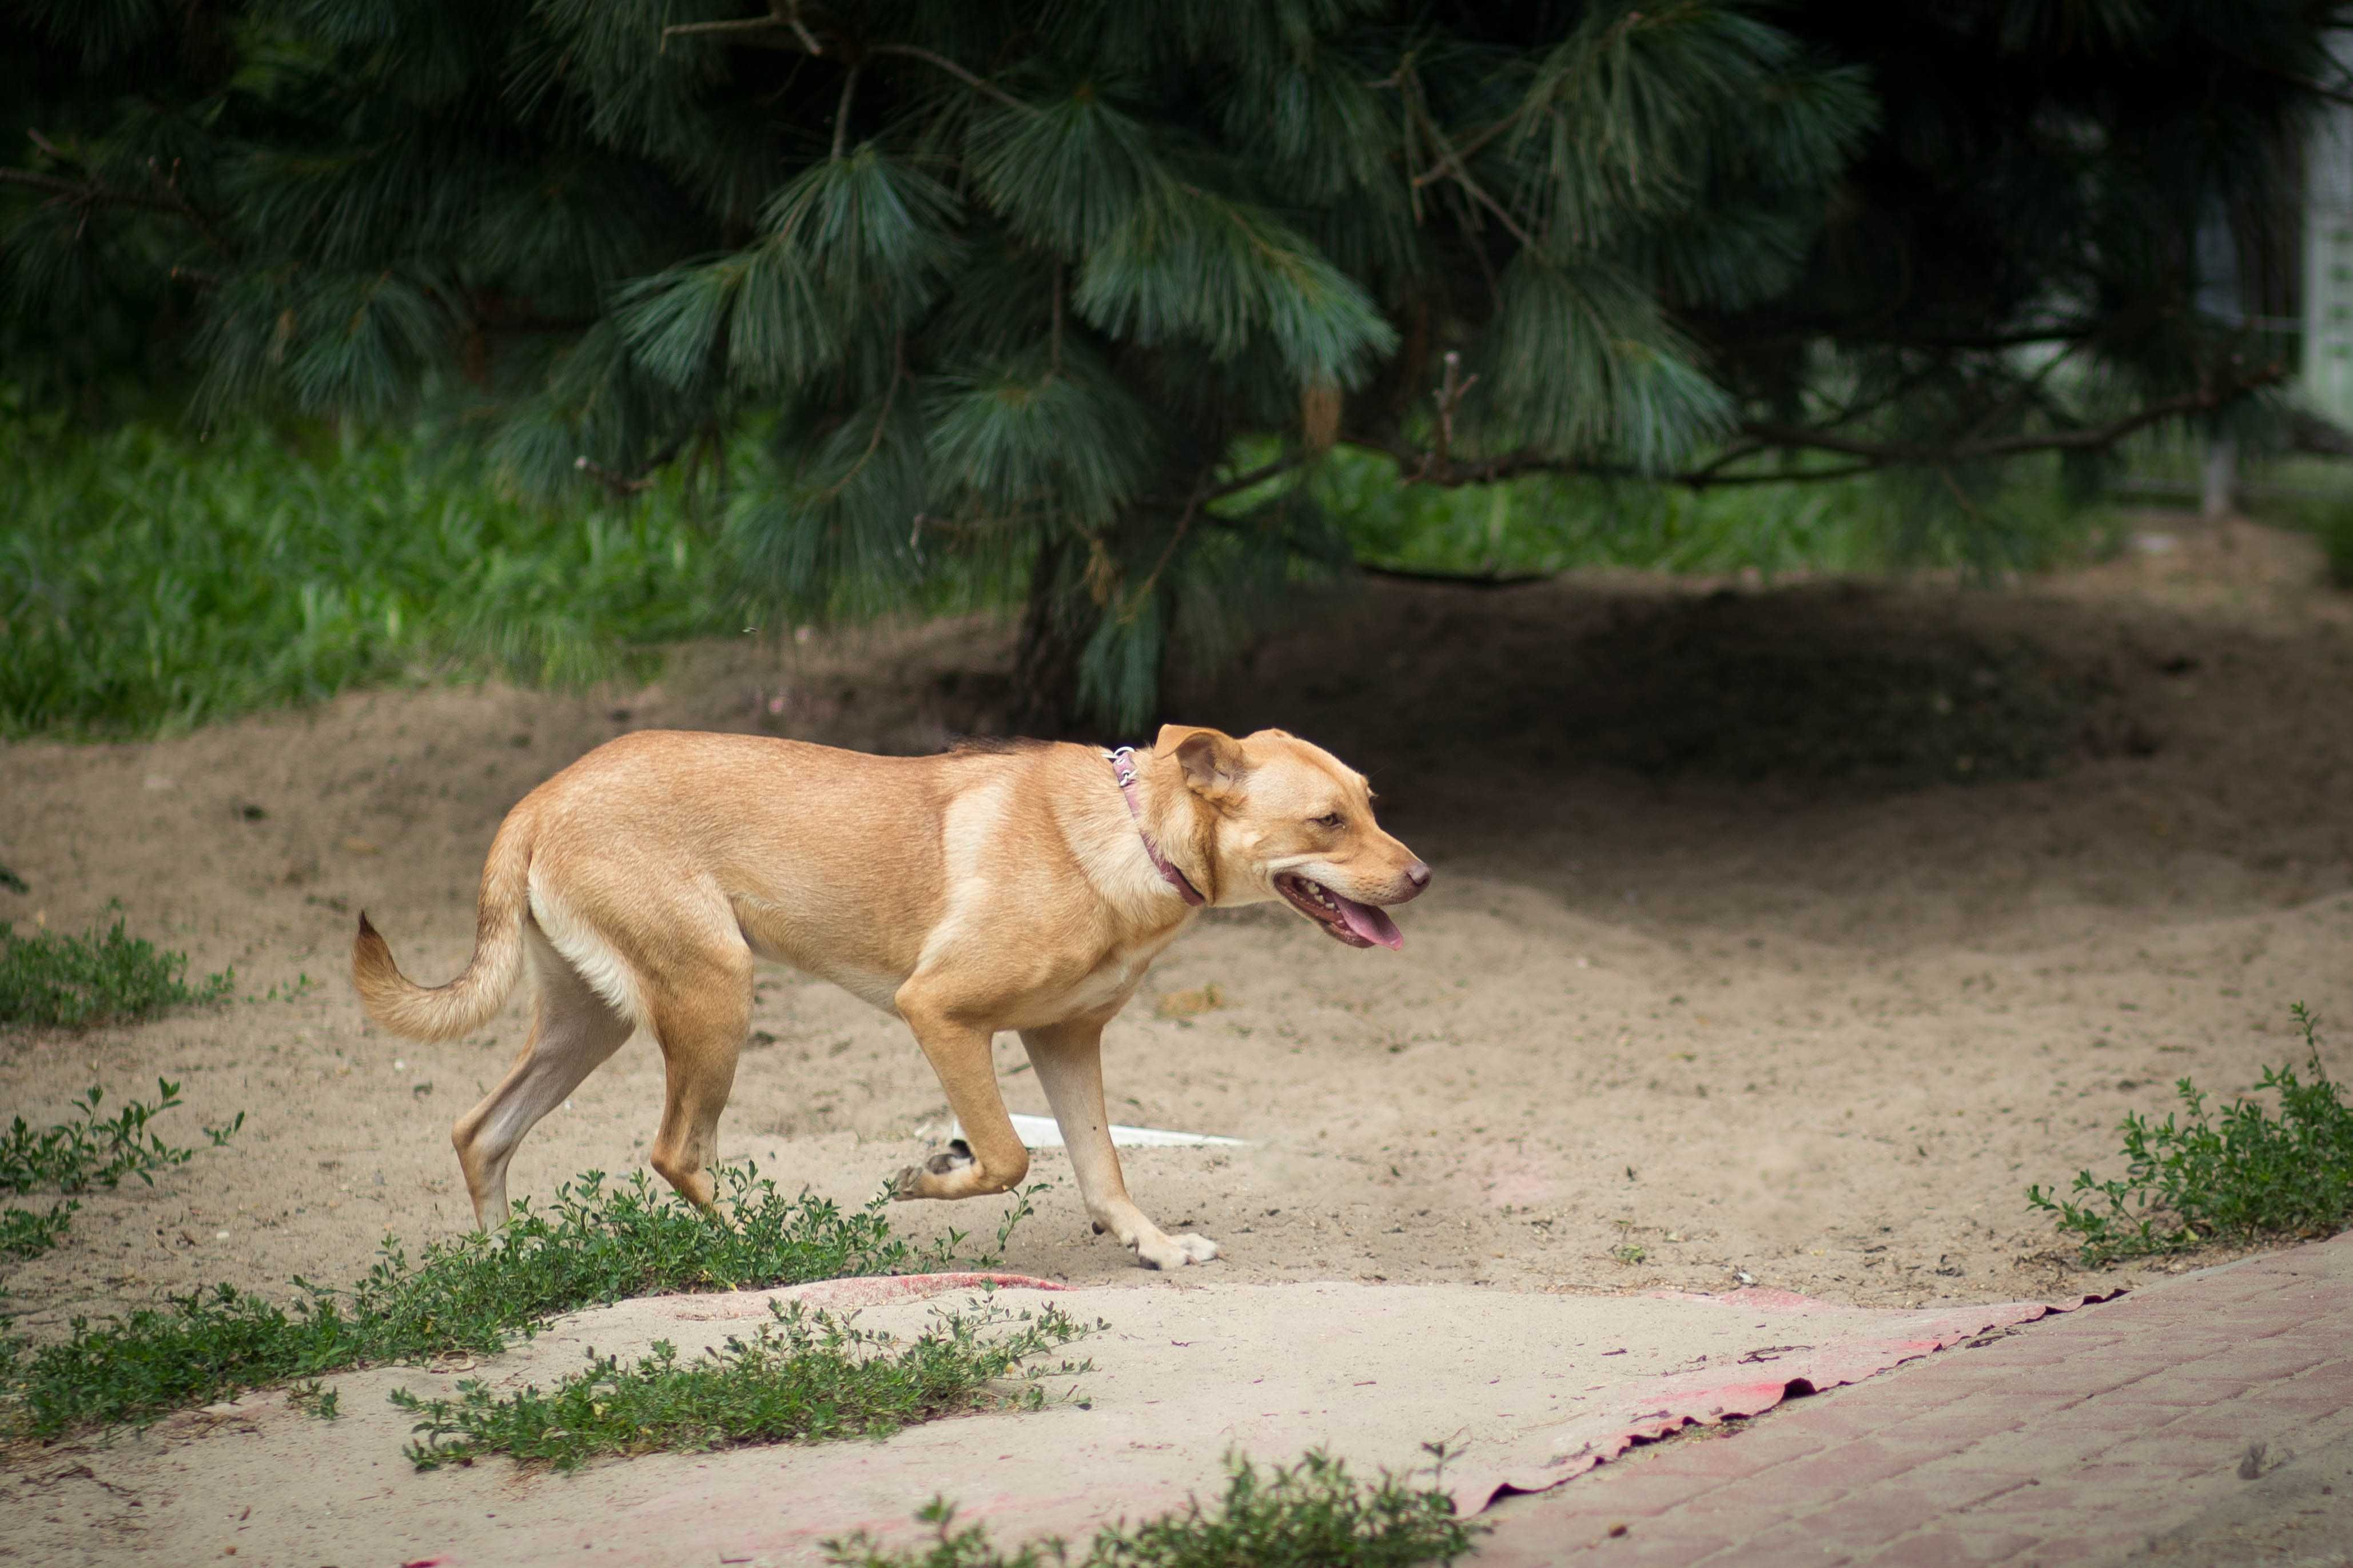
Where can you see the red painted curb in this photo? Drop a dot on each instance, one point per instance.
(1705, 1397)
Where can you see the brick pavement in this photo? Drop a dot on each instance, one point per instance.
(2124, 1430)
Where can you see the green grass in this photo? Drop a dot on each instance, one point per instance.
(2337, 537)
(2329, 519)
(806, 1377)
(2244, 1173)
(89, 1150)
(474, 1294)
(150, 581)
(1539, 524)
(1309, 1515)
(53, 979)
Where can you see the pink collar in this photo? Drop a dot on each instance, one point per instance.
(1122, 762)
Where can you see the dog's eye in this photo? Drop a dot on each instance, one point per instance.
(1331, 819)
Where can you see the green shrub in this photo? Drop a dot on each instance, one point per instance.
(105, 977)
(806, 1377)
(1310, 1515)
(2243, 1175)
(594, 1244)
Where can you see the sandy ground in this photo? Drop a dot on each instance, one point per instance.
(1649, 1029)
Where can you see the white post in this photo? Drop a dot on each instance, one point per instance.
(2221, 496)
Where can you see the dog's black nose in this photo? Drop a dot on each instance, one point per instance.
(1417, 874)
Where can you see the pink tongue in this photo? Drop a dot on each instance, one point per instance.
(1368, 923)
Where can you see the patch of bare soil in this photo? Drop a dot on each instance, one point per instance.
(1737, 964)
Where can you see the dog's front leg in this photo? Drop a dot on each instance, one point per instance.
(990, 1157)
(1068, 1059)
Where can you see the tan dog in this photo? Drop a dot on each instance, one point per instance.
(1021, 885)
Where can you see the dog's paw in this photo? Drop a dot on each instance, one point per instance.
(917, 1181)
(1175, 1251)
(1197, 1248)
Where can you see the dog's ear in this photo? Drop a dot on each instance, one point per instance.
(1211, 759)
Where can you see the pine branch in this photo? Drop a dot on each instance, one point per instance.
(1469, 145)
(2025, 392)
(1415, 467)
(1706, 480)
(1254, 479)
(1409, 89)
(89, 193)
(1804, 330)
(1450, 393)
(979, 84)
(757, 31)
(841, 111)
(1426, 465)
(1054, 364)
(1458, 579)
(2088, 439)
(882, 419)
(2337, 95)
(623, 486)
(1193, 504)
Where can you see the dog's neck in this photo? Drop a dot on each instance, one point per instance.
(1123, 767)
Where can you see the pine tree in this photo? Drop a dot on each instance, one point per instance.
(1048, 293)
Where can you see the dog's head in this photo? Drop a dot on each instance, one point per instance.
(1278, 817)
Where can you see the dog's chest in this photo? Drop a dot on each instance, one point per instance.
(1115, 975)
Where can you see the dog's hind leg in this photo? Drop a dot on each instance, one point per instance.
(702, 1013)
(1068, 1059)
(573, 1031)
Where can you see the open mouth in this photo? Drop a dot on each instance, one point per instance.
(1343, 919)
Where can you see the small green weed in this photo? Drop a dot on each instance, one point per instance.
(1309, 1515)
(88, 1151)
(105, 977)
(94, 1150)
(316, 1400)
(280, 991)
(28, 1233)
(594, 1244)
(2246, 1173)
(806, 1377)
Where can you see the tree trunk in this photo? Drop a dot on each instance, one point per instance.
(1046, 657)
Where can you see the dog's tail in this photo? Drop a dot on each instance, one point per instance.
(445, 1012)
